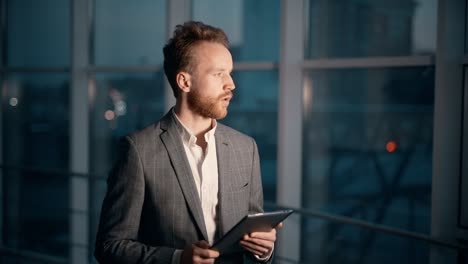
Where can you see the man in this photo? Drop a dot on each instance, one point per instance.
(185, 181)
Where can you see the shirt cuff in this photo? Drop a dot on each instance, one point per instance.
(264, 259)
(176, 256)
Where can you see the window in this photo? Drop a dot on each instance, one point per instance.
(36, 110)
(368, 144)
(38, 33)
(126, 33)
(342, 29)
(252, 26)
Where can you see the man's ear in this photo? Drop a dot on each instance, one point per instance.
(183, 81)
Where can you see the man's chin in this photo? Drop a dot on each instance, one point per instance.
(222, 113)
(221, 116)
(213, 113)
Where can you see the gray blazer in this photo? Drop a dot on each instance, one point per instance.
(152, 206)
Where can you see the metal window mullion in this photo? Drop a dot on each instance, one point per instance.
(79, 139)
(8, 70)
(239, 66)
(255, 66)
(448, 108)
(289, 189)
(370, 62)
(129, 68)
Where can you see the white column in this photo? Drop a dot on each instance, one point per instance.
(447, 127)
(79, 139)
(178, 11)
(289, 190)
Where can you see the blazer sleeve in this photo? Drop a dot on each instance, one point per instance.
(117, 237)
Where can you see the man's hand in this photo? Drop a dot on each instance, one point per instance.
(260, 243)
(199, 253)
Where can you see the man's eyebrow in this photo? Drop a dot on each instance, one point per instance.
(220, 69)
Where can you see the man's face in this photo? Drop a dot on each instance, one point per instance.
(211, 81)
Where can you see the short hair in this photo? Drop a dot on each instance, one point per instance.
(177, 51)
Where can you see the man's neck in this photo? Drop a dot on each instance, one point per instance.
(197, 124)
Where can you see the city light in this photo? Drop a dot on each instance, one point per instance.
(109, 115)
(13, 101)
(391, 146)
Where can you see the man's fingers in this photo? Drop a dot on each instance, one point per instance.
(202, 250)
(208, 253)
(261, 242)
(254, 248)
(270, 236)
(199, 260)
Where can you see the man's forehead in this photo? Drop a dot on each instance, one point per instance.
(213, 55)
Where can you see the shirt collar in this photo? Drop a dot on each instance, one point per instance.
(186, 133)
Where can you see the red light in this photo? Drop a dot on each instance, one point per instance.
(391, 146)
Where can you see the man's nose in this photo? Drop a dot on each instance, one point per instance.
(230, 83)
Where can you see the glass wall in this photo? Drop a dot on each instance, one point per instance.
(37, 33)
(35, 109)
(335, 243)
(126, 33)
(35, 112)
(347, 29)
(368, 130)
(252, 26)
(368, 138)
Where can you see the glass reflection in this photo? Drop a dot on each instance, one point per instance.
(253, 27)
(342, 29)
(35, 114)
(343, 243)
(36, 111)
(126, 33)
(120, 104)
(368, 144)
(38, 33)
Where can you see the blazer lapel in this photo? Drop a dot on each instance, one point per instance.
(224, 175)
(175, 149)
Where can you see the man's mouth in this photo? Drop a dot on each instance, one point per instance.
(227, 97)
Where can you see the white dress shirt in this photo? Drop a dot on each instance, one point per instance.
(204, 167)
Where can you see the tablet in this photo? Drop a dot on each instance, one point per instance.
(250, 223)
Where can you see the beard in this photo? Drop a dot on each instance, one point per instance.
(207, 106)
